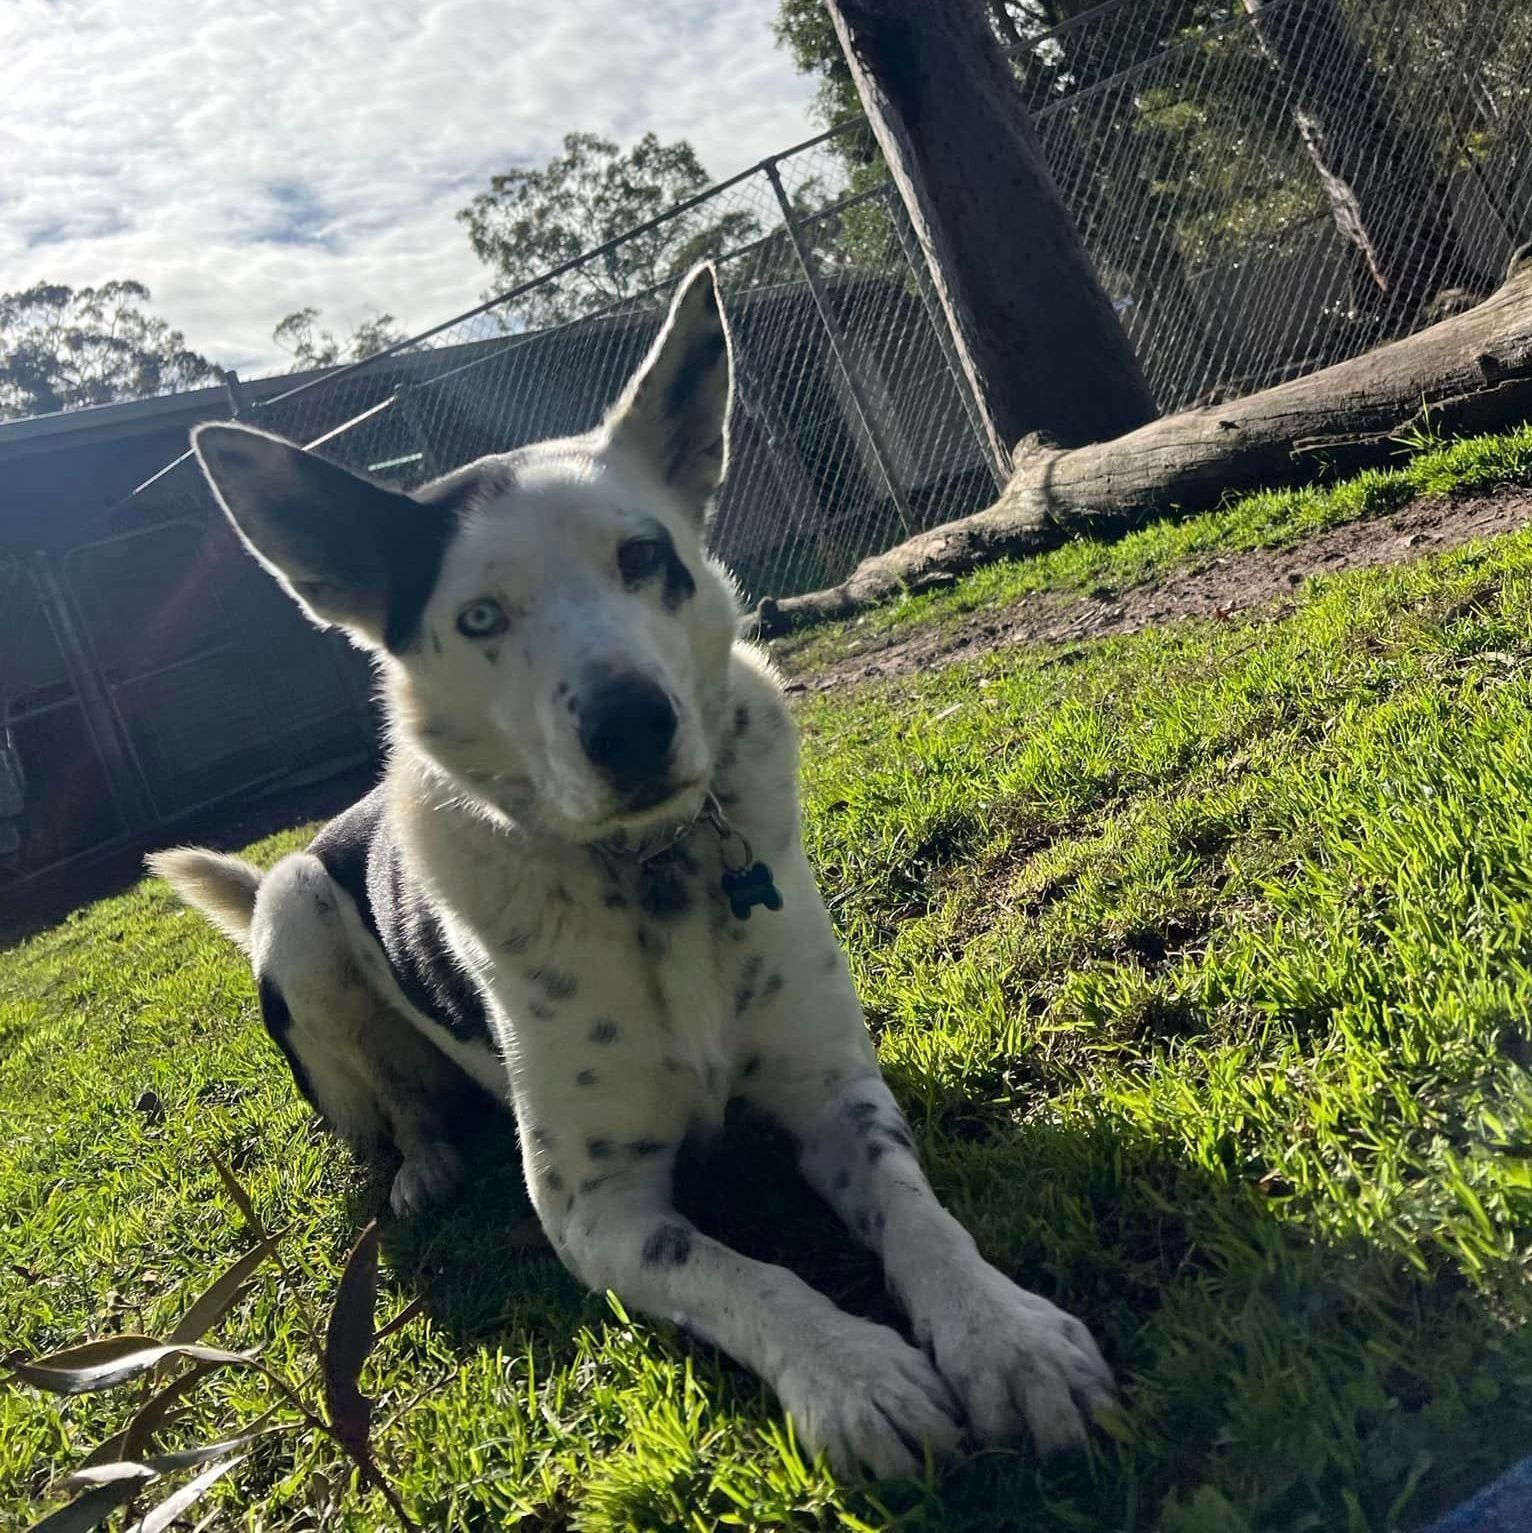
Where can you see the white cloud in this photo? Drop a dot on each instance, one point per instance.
(285, 153)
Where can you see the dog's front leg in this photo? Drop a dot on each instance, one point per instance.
(856, 1391)
(1015, 1361)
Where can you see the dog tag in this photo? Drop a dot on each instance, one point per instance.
(749, 887)
(750, 884)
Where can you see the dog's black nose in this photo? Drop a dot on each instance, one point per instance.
(626, 726)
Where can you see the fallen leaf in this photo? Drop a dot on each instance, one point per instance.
(220, 1297)
(109, 1474)
(348, 1341)
(89, 1509)
(111, 1360)
(171, 1508)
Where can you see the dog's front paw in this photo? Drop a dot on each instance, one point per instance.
(430, 1175)
(1018, 1364)
(863, 1396)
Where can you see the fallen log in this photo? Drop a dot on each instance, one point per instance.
(1470, 373)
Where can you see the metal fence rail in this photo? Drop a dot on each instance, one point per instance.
(1185, 150)
(1180, 152)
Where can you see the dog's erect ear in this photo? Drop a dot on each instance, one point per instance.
(349, 551)
(674, 414)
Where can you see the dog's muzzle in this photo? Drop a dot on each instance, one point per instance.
(627, 727)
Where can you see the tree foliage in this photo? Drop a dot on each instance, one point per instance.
(1177, 149)
(1081, 58)
(311, 346)
(803, 28)
(532, 220)
(63, 348)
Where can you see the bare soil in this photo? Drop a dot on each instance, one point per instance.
(1219, 587)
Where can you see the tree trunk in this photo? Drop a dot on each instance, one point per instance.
(1037, 336)
(1470, 373)
(1386, 195)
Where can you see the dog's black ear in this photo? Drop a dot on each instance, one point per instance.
(674, 414)
(349, 551)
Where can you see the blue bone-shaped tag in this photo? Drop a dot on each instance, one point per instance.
(749, 887)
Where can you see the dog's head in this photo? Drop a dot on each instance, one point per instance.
(550, 631)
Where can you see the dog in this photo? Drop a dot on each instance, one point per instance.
(580, 886)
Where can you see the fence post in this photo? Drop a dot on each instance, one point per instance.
(238, 395)
(859, 406)
(122, 774)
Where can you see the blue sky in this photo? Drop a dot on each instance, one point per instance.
(247, 160)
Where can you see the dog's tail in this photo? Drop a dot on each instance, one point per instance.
(221, 887)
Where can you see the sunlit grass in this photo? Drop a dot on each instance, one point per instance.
(1202, 962)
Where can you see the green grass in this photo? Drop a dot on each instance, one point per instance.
(1202, 962)
(1265, 519)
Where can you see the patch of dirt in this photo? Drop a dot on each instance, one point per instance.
(1219, 587)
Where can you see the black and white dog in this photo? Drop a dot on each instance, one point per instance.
(581, 885)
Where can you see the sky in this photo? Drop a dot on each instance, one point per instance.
(247, 160)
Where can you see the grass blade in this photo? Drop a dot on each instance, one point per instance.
(348, 1341)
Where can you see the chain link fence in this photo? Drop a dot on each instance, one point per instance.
(1261, 193)
(1289, 186)
(852, 427)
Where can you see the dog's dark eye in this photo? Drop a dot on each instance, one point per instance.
(482, 620)
(639, 558)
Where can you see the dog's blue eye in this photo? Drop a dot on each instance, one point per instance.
(482, 620)
(639, 558)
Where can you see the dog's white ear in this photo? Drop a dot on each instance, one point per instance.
(350, 552)
(674, 414)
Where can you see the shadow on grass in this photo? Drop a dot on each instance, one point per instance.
(1272, 1377)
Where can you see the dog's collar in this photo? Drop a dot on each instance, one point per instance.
(657, 844)
(746, 883)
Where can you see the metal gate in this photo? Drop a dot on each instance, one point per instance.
(149, 675)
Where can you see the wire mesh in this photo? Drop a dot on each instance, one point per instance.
(852, 427)
(1261, 193)
(1276, 190)
(1261, 190)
